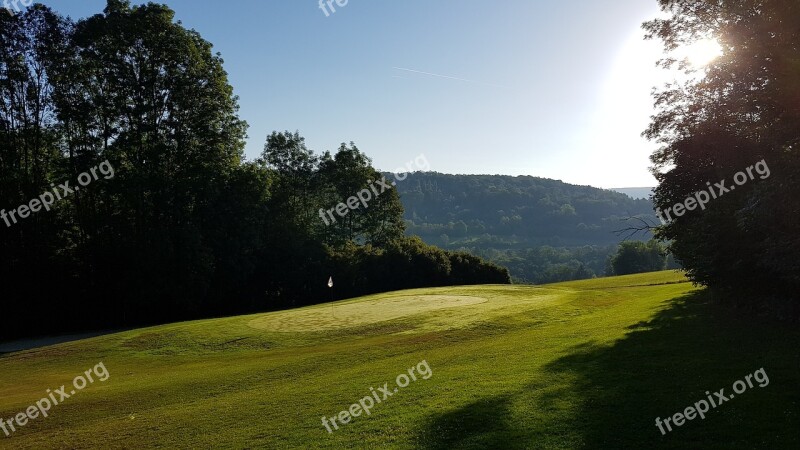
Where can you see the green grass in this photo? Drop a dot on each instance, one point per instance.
(586, 364)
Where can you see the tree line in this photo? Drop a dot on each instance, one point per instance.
(187, 227)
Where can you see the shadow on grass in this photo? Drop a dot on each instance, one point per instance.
(478, 425)
(659, 368)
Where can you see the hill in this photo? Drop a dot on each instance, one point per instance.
(543, 230)
(561, 366)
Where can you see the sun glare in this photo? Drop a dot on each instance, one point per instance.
(701, 53)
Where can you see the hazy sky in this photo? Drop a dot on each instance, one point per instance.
(557, 89)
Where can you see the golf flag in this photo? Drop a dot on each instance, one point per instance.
(330, 282)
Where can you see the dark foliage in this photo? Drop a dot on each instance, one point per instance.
(742, 109)
(184, 228)
(639, 257)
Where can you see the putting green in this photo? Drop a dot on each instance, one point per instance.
(352, 314)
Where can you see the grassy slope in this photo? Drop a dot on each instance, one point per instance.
(580, 364)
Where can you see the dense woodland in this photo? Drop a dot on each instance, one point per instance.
(542, 230)
(186, 228)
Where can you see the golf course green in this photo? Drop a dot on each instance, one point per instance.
(587, 364)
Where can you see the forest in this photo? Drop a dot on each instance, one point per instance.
(542, 230)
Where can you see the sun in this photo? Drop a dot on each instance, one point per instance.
(701, 53)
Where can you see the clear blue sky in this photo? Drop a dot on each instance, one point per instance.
(557, 89)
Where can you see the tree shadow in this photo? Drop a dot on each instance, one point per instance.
(665, 365)
(661, 367)
(482, 424)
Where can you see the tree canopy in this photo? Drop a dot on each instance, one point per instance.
(742, 108)
(639, 257)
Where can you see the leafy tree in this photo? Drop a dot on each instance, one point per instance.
(379, 220)
(295, 189)
(743, 108)
(639, 257)
(30, 161)
(150, 96)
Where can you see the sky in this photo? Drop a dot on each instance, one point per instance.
(554, 89)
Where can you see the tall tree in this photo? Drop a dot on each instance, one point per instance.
(30, 161)
(743, 108)
(378, 217)
(150, 96)
(639, 257)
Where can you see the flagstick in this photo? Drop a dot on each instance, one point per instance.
(330, 286)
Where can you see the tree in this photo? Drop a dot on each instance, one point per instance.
(378, 220)
(296, 188)
(30, 161)
(149, 95)
(134, 88)
(639, 257)
(743, 108)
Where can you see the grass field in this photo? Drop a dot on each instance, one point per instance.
(587, 364)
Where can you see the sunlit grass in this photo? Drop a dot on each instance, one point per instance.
(579, 364)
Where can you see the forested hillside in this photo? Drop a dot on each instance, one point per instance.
(543, 230)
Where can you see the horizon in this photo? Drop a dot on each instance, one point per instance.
(516, 176)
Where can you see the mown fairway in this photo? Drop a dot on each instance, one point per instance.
(576, 365)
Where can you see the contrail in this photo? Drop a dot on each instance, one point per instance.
(447, 77)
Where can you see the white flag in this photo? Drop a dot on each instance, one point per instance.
(330, 282)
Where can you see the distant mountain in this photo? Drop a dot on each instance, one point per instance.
(636, 193)
(543, 230)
